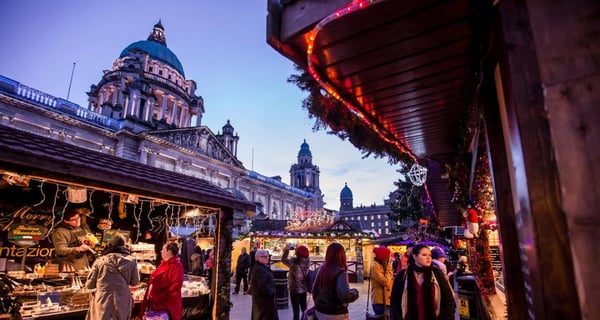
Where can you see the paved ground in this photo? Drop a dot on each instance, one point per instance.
(242, 304)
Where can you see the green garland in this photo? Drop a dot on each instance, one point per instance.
(329, 112)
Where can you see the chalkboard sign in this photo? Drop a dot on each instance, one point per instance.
(496, 260)
(109, 234)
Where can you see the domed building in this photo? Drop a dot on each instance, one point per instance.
(346, 199)
(367, 218)
(145, 110)
(147, 86)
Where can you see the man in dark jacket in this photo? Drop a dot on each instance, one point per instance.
(263, 289)
(241, 271)
(67, 239)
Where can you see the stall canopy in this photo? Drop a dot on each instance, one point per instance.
(39, 157)
(404, 66)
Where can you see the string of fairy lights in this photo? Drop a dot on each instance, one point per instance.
(417, 174)
(176, 214)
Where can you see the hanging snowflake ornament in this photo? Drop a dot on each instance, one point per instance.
(417, 175)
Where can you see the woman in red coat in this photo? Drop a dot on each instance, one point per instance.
(164, 286)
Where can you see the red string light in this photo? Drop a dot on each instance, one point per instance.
(383, 134)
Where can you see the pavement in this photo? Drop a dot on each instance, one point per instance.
(242, 305)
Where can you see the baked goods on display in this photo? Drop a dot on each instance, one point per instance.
(146, 267)
(194, 288)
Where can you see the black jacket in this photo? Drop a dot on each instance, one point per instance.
(335, 297)
(263, 293)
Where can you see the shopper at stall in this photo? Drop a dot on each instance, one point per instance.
(382, 278)
(67, 239)
(331, 291)
(263, 289)
(241, 271)
(197, 260)
(421, 291)
(299, 267)
(111, 276)
(164, 285)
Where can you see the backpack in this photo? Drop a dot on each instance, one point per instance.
(310, 280)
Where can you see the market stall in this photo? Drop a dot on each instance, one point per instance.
(273, 235)
(41, 178)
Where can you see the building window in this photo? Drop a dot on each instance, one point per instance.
(372, 217)
(160, 72)
(387, 223)
(378, 216)
(372, 224)
(365, 218)
(149, 69)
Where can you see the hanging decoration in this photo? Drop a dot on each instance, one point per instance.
(66, 194)
(472, 220)
(417, 174)
(16, 180)
(76, 194)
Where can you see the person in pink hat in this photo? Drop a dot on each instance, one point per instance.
(299, 267)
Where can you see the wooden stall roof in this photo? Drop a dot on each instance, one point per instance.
(404, 64)
(29, 154)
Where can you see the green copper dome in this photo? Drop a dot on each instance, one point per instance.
(346, 193)
(156, 47)
(156, 51)
(304, 150)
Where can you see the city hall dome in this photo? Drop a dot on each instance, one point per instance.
(156, 48)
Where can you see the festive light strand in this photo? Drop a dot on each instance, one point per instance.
(311, 59)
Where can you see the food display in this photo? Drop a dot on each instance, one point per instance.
(145, 255)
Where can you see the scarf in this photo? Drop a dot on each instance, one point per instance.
(426, 292)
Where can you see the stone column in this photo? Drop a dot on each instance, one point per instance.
(163, 108)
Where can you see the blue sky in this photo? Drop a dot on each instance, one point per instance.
(222, 46)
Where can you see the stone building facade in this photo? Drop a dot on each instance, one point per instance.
(145, 110)
(370, 218)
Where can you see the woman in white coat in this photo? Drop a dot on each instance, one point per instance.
(111, 276)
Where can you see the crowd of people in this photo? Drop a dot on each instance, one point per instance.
(415, 285)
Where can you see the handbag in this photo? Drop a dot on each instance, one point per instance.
(156, 315)
(309, 314)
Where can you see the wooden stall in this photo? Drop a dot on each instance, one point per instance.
(273, 236)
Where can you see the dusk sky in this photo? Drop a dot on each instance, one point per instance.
(222, 46)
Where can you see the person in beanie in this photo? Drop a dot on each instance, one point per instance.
(382, 278)
(439, 259)
(111, 275)
(299, 267)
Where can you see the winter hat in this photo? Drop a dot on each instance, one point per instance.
(381, 253)
(302, 251)
(117, 241)
(437, 252)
